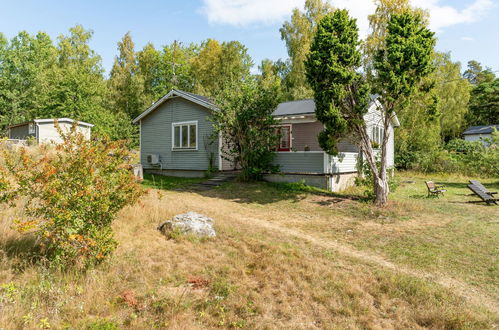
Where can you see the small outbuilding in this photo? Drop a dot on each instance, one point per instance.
(45, 131)
(480, 133)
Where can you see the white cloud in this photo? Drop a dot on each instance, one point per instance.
(254, 12)
(445, 16)
(248, 12)
(467, 39)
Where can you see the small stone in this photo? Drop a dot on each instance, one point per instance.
(189, 223)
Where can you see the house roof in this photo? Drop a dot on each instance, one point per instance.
(198, 99)
(307, 106)
(485, 129)
(51, 120)
(300, 107)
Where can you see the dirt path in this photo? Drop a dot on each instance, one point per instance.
(473, 295)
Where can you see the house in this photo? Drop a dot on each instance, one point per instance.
(44, 130)
(300, 157)
(480, 133)
(176, 138)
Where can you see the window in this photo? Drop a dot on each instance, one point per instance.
(31, 128)
(185, 135)
(377, 134)
(284, 138)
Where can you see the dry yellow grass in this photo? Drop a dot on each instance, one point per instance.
(255, 274)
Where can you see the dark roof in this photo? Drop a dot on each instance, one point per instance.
(486, 129)
(197, 96)
(295, 108)
(300, 107)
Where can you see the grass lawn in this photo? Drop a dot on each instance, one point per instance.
(168, 182)
(285, 257)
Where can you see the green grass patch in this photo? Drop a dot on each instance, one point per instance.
(168, 182)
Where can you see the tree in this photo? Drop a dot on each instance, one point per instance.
(126, 85)
(298, 34)
(245, 122)
(476, 74)
(149, 61)
(220, 65)
(453, 96)
(25, 63)
(79, 89)
(378, 22)
(341, 93)
(400, 66)
(70, 196)
(484, 104)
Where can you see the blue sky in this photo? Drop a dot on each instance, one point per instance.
(467, 28)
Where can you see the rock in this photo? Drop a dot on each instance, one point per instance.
(189, 223)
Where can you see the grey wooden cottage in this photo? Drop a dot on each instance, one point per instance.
(45, 131)
(176, 138)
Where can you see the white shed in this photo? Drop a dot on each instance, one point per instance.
(480, 133)
(44, 130)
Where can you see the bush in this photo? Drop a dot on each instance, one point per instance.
(70, 194)
(458, 156)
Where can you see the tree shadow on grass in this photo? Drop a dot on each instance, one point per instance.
(267, 193)
(22, 251)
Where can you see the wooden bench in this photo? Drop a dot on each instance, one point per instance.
(434, 189)
(480, 186)
(483, 196)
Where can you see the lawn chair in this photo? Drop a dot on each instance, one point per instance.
(483, 196)
(434, 189)
(480, 186)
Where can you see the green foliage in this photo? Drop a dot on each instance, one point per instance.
(220, 65)
(484, 104)
(126, 85)
(298, 34)
(404, 60)
(244, 120)
(340, 92)
(458, 156)
(476, 75)
(71, 194)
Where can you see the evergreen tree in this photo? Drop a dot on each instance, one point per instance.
(484, 104)
(400, 67)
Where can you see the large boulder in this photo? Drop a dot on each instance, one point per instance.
(189, 223)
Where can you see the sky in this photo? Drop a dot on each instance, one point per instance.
(469, 29)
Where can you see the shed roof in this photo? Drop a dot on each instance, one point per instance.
(484, 129)
(51, 120)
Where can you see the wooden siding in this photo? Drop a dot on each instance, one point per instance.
(300, 162)
(305, 134)
(156, 136)
(47, 132)
(345, 162)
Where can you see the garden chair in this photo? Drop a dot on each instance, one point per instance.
(434, 189)
(483, 196)
(480, 186)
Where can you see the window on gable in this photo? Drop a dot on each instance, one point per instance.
(377, 134)
(185, 135)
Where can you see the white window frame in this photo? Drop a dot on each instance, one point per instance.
(31, 128)
(185, 123)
